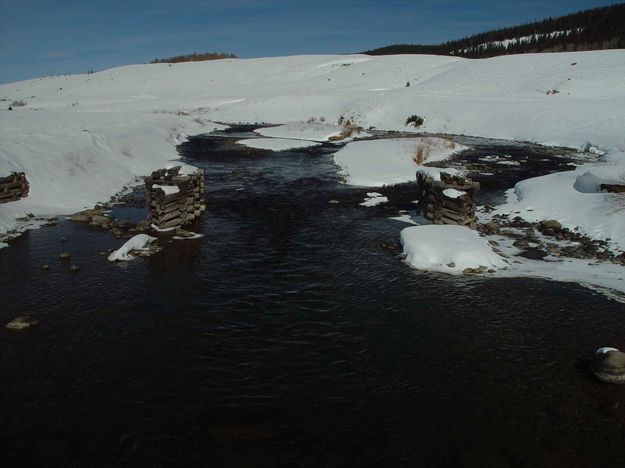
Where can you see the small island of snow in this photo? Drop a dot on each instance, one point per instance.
(448, 249)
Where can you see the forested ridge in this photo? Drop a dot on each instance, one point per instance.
(596, 29)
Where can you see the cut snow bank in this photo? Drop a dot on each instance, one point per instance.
(314, 131)
(375, 163)
(448, 249)
(573, 198)
(139, 242)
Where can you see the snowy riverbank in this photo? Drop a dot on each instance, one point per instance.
(81, 138)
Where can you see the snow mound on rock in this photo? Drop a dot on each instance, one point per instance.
(138, 242)
(448, 249)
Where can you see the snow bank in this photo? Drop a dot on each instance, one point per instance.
(573, 199)
(74, 160)
(595, 275)
(276, 144)
(314, 131)
(376, 163)
(448, 249)
(138, 242)
(81, 138)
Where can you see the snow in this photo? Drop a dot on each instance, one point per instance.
(573, 199)
(374, 200)
(276, 144)
(313, 131)
(451, 249)
(185, 169)
(82, 138)
(301, 130)
(521, 40)
(157, 229)
(74, 160)
(448, 249)
(453, 193)
(139, 242)
(375, 163)
(193, 236)
(168, 189)
(600, 276)
(404, 218)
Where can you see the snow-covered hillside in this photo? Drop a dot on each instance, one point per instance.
(80, 138)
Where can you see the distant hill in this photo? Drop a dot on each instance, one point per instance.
(596, 29)
(194, 58)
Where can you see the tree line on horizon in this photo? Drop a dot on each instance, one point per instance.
(595, 29)
(195, 57)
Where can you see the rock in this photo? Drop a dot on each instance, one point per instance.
(551, 224)
(45, 267)
(491, 227)
(74, 268)
(100, 220)
(62, 239)
(182, 233)
(494, 243)
(471, 271)
(122, 223)
(333, 202)
(64, 255)
(608, 365)
(395, 248)
(21, 323)
(533, 254)
(519, 222)
(521, 244)
(143, 225)
(84, 216)
(80, 218)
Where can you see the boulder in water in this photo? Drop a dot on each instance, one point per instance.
(608, 365)
(21, 323)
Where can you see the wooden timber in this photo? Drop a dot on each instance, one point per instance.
(439, 208)
(13, 187)
(174, 209)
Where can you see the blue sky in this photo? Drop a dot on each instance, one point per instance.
(39, 37)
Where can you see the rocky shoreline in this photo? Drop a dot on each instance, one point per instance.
(539, 240)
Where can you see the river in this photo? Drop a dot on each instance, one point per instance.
(288, 336)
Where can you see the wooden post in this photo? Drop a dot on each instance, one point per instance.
(439, 208)
(174, 209)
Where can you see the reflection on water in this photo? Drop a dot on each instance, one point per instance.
(288, 337)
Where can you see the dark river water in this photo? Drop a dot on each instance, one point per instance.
(288, 337)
